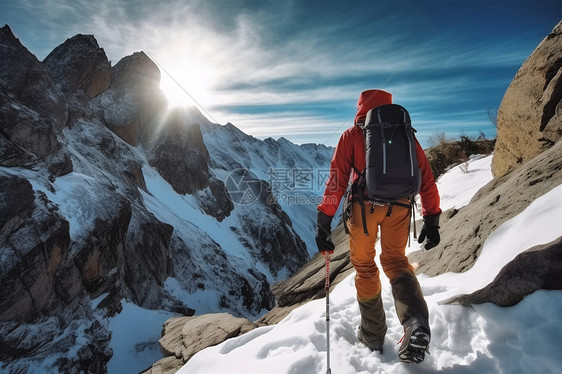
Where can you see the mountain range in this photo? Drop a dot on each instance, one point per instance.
(108, 196)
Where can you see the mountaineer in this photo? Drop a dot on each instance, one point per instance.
(385, 167)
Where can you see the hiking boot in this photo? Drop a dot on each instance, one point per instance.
(415, 343)
(375, 345)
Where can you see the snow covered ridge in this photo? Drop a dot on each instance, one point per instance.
(117, 213)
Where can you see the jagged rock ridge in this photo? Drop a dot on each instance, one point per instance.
(106, 196)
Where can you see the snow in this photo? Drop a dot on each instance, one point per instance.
(206, 237)
(280, 163)
(183, 212)
(535, 225)
(135, 338)
(202, 301)
(458, 185)
(479, 339)
(75, 202)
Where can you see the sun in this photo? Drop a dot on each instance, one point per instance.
(188, 87)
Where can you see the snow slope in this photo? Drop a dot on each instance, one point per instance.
(296, 173)
(458, 185)
(482, 339)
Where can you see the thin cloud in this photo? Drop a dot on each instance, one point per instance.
(262, 64)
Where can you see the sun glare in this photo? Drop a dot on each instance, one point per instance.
(192, 88)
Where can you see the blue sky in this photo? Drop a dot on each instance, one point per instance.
(295, 68)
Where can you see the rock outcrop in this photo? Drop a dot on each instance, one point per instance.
(133, 103)
(148, 253)
(31, 276)
(527, 115)
(537, 268)
(23, 76)
(530, 115)
(79, 64)
(32, 111)
(185, 336)
(177, 151)
(464, 231)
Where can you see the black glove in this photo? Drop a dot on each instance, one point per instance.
(323, 231)
(430, 230)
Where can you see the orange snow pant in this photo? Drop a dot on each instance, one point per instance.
(394, 232)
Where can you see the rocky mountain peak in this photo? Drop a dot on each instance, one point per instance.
(22, 75)
(136, 72)
(32, 110)
(79, 64)
(7, 34)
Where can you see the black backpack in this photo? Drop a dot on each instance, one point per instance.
(392, 165)
(391, 171)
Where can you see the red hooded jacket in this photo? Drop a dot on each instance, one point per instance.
(350, 156)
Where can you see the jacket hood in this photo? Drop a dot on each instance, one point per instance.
(368, 100)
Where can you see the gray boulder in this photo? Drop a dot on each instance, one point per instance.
(183, 337)
(537, 268)
(529, 118)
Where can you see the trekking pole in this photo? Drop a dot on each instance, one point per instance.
(327, 286)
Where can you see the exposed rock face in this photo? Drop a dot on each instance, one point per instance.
(32, 112)
(185, 336)
(177, 151)
(215, 200)
(31, 273)
(102, 251)
(464, 231)
(136, 74)
(276, 247)
(133, 101)
(79, 64)
(42, 341)
(22, 75)
(538, 268)
(194, 274)
(148, 258)
(529, 118)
